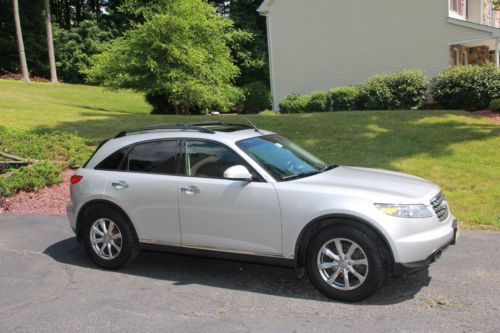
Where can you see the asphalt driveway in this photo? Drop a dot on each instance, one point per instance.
(48, 284)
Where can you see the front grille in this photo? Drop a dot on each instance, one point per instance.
(440, 206)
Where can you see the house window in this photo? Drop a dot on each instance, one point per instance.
(465, 58)
(456, 57)
(458, 7)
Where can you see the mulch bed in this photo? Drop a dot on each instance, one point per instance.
(488, 114)
(17, 77)
(51, 200)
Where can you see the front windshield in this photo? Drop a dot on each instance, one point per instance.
(283, 159)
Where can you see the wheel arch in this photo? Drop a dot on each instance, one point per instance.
(85, 209)
(325, 221)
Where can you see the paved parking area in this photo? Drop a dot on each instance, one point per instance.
(47, 284)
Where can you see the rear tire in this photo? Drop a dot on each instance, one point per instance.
(109, 238)
(342, 249)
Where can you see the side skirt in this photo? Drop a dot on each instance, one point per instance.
(214, 254)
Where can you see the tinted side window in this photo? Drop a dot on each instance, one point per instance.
(209, 160)
(112, 162)
(153, 157)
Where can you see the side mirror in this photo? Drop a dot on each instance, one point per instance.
(238, 172)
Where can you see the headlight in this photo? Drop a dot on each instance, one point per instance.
(414, 211)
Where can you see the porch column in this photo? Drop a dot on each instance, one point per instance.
(497, 52)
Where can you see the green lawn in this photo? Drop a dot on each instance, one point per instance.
(454, 149)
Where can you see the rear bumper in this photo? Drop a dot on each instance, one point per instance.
(71, 214)
(403, 269)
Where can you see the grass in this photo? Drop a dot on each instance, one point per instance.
(454, 149)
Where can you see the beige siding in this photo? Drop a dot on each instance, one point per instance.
(320, 44)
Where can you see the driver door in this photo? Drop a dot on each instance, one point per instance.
(222, 214)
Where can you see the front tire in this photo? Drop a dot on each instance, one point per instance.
(109, 238)
(345, 263)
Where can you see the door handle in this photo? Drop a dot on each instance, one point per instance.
(120, 185)
(190, 190)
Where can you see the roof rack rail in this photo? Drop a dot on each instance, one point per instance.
(183, 127)
(220, 123)
(200, 127)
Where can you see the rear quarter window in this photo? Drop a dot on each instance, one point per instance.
(114, 161)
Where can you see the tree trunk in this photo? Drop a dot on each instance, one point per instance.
(20, 43)
(50, 42)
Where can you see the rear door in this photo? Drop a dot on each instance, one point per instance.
(146, 187)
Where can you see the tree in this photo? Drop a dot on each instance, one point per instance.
(496, 4)
(20, 43)
(50, 43)
(178, 57)
(249, 51)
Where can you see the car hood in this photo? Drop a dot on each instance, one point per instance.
(385, 183)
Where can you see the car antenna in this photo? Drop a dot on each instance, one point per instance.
(253, 125)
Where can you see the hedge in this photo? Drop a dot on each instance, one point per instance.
(344, 98)
(294, 103)
(401, 90)
(466, 87)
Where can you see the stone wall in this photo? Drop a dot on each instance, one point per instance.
(488, 18)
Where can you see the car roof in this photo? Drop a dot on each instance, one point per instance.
(227, 134)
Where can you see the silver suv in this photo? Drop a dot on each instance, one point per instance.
(235, 191)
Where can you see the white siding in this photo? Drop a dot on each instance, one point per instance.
(320, 44)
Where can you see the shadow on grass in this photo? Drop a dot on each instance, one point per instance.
(186, 270)
(99, 109)
(372, 139)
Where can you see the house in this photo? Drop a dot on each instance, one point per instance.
(320, 44)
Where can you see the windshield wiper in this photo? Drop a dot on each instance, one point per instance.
(310, 173)
(329, 167)
(301, 175)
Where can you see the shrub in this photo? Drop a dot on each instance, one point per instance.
(269, 113)
(319, 102)
(344, 98)
(294, 103)
(160, 103)
(31, 178)
(466, 87)
(394, 91)
(257, 97)
(46, 145)
(495, 105)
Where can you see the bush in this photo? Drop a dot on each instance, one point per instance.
(31, 178)
(467, 87)
(495, 105)
(64, 147)
(344, 98)
(58, 149)
(319, 102)
(269, 113)
(394, 91)
(257, 97)
(294, 103)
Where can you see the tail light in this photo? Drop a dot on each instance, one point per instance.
(75, 179)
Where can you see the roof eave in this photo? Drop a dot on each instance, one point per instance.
(495, 32)
(264, 8)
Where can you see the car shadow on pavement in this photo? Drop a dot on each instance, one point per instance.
(271, 280)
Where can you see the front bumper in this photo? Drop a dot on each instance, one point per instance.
(403, 269)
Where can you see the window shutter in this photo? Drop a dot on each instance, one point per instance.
(451, 5)
(460, 7)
